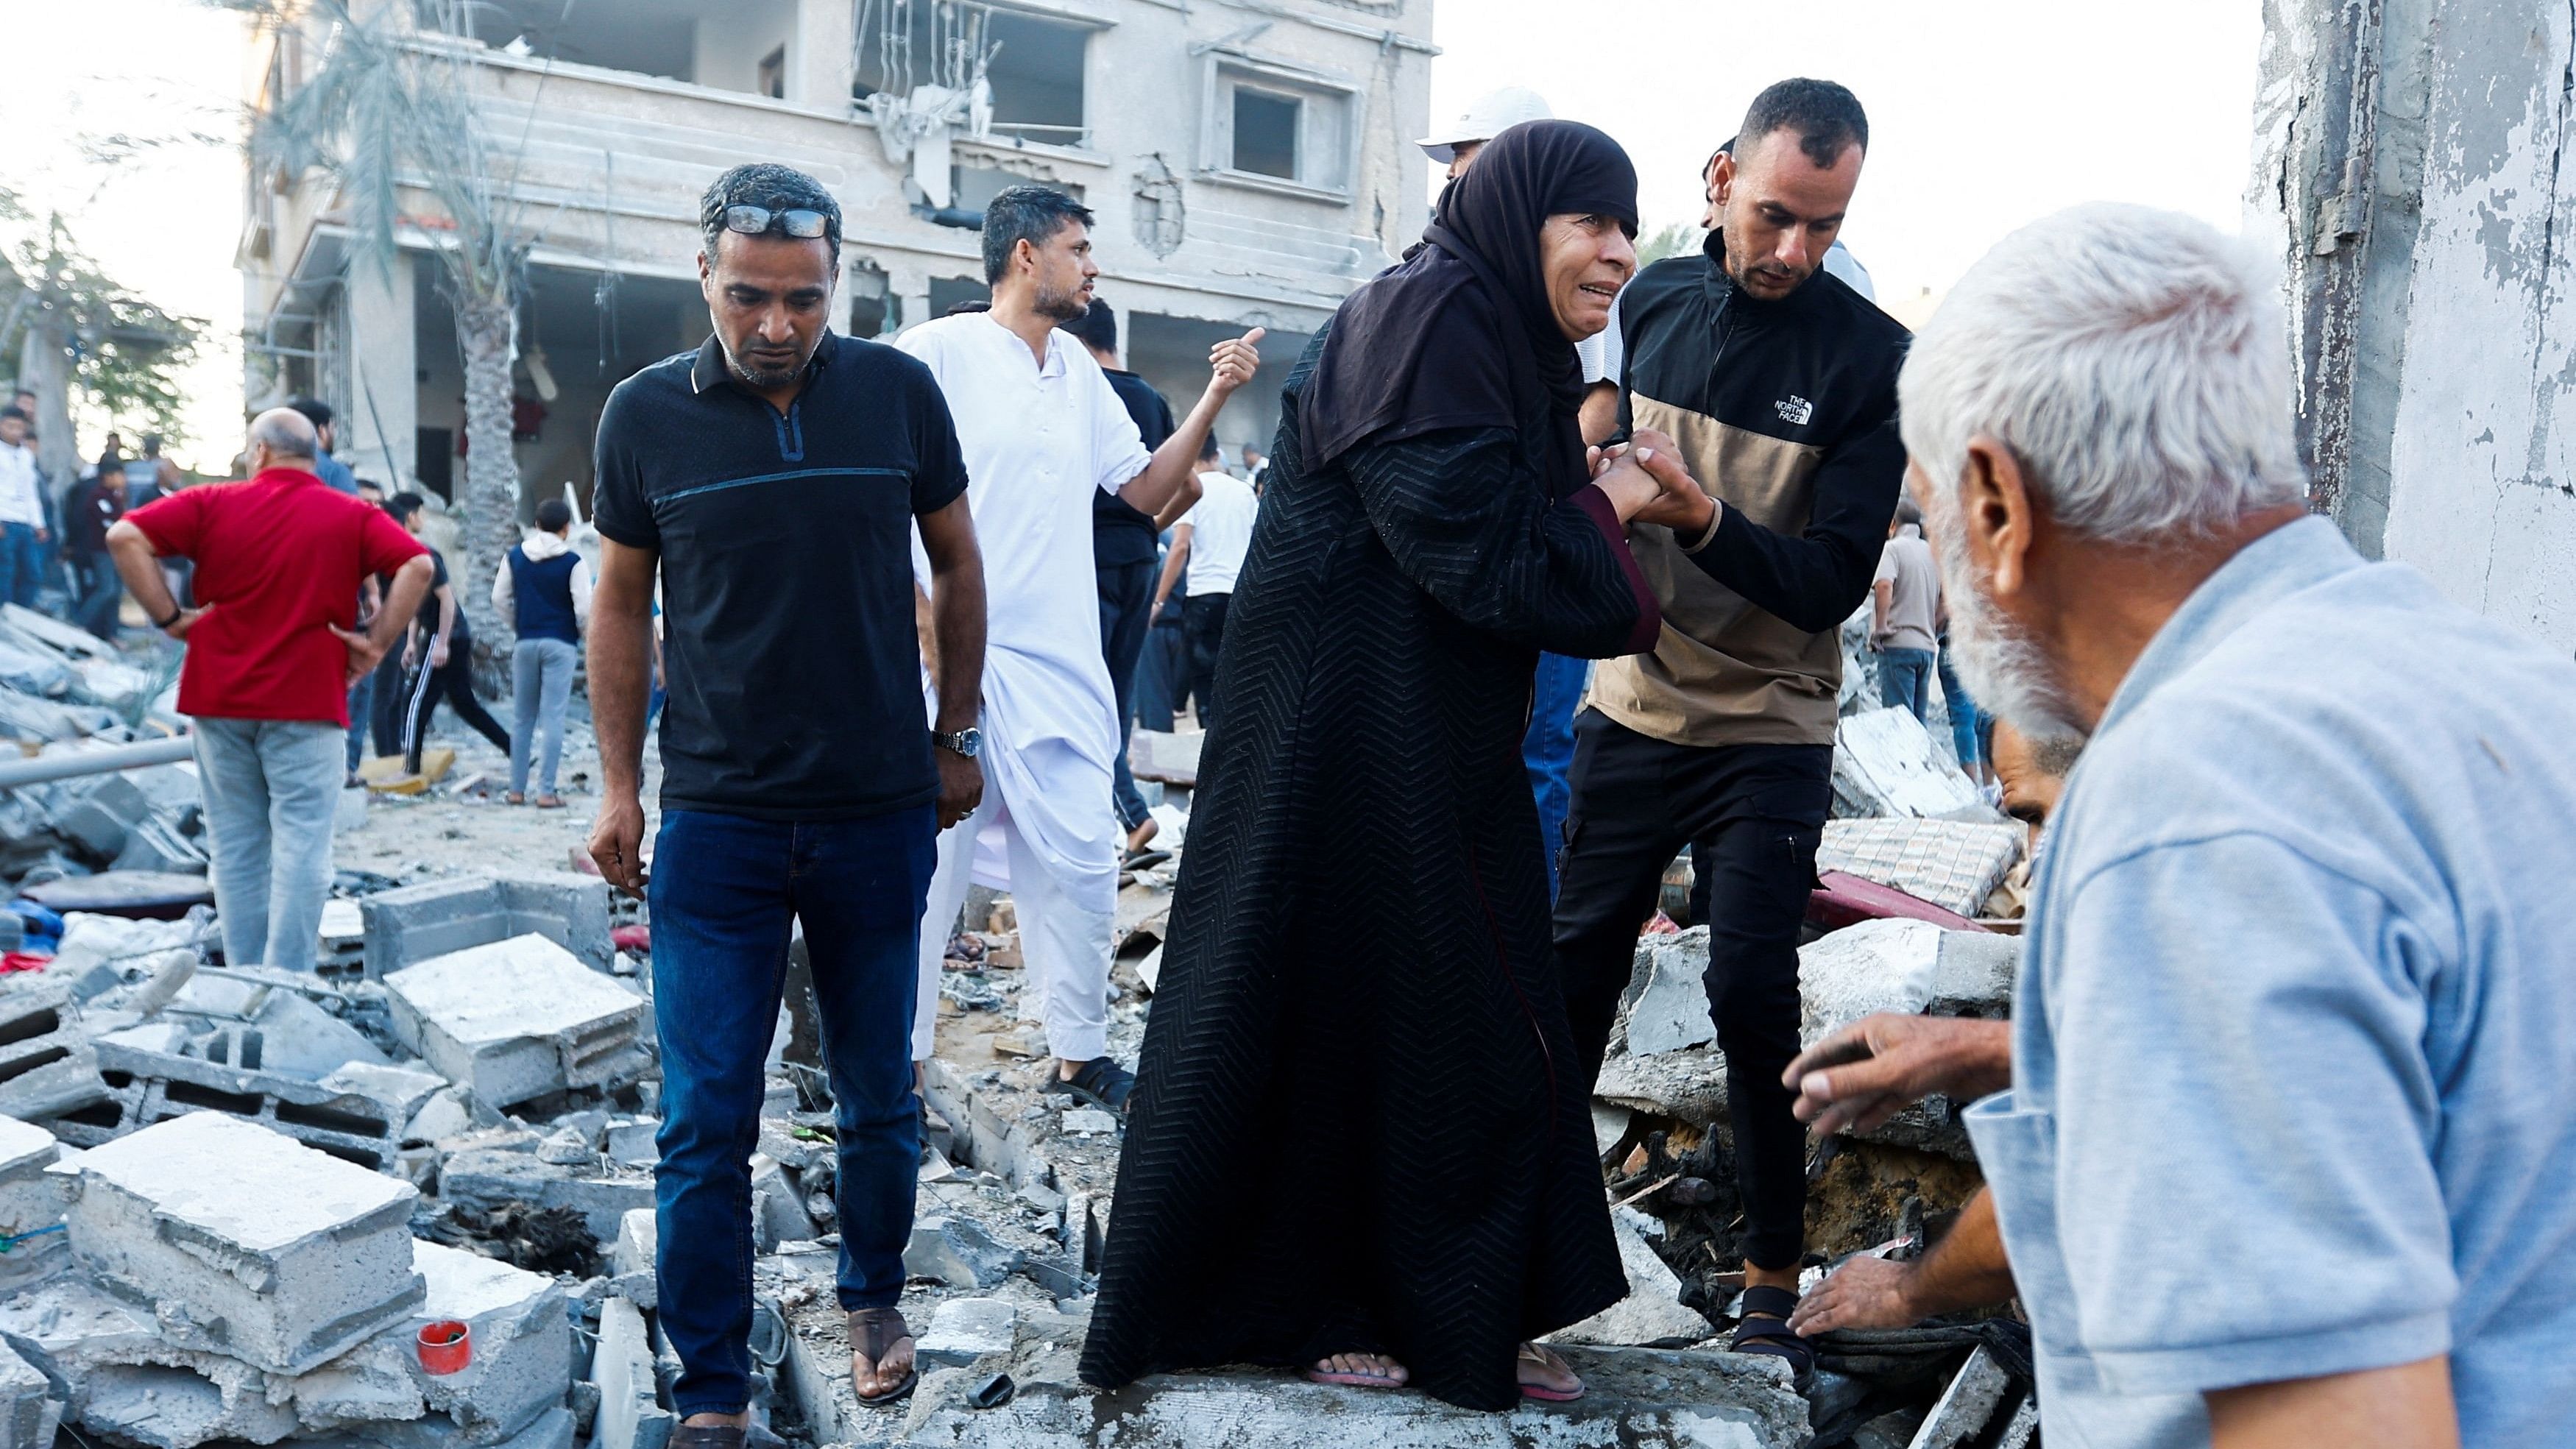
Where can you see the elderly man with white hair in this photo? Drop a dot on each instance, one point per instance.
(2288, 1150)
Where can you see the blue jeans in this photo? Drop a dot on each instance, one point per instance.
(1905, 680)
(723, 892)
(362, 705)
(1548, 749)
(22, 564)
(540, 687)
(1968, 724)
(271, 787)
(1126, 597)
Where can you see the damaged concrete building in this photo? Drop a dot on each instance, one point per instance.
(2410, 175)
(1249, 162)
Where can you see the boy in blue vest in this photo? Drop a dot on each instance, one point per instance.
(544, 587)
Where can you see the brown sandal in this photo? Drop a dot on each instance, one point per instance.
(875, 1332)
(550, 802)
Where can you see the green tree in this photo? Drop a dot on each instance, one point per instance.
(1671, 241)
(76, 330)
(389, 120)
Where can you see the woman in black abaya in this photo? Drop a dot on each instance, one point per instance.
(1359, 1143)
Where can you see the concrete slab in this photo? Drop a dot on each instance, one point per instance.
(1634, 1397)
(246, 1242)
(963, 1330)
(517, 1019)
(30, 1199)
(487, 1178)
(1652, 1313)
(630, 1413)
(29, 1410)
(522, 1342)
(152, 1086)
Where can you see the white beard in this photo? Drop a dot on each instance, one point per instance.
(2003, 670)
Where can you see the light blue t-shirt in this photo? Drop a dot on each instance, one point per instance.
(2294, 1043)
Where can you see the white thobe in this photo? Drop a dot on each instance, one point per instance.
(1039, 439)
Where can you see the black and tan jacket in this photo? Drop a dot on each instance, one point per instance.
(1786, 411)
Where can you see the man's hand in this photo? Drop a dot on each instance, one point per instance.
(1865, 1292)
(617, 842)
(1232, 363)
(411, 655)
(1869, 1071)
(961, 785)
(364, 654)
(178, 628)
(43, 536)
(438, 654)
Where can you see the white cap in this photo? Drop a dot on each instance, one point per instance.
(1490, 116)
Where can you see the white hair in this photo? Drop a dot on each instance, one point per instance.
(2135, 361)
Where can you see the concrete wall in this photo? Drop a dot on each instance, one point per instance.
(2410, 173)
(733, 40)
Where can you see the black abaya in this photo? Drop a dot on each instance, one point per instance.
(1360, 1124)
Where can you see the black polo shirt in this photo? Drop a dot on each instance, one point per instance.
(1121, 533)
(786, 559)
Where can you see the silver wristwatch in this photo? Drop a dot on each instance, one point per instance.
(968, 741)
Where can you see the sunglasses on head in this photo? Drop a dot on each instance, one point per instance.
(798, 222)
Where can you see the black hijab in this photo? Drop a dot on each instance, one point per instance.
(1461, 334)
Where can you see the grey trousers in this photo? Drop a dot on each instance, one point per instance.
(271, 788)
(541, 684)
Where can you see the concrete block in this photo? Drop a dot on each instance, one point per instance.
(567, 909)
(780, 1207)
(152, 1086)
(1652, 1313)
(486, 1178)
(29, 1409)
(963, 1330)
(958, 1253)
(403, 1090)
(246, 1242)
(299, 1039)
(1906, 967)
(413, 924)
(523, 1343)
(631, 1259)
(47, 1065)
(631, 1415)
(30, 1199)
(155, 844)
(1671, 1007)
(633, 1144)
(446, 1113)
(517, 1019)
(120, 1377)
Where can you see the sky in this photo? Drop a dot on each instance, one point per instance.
(1984, 114)
(164, 222)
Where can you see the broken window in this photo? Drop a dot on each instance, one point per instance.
(1265, 133)
(1279, 122)
(1032, 65)
(871, 301)
(773, 74)
(949, 293)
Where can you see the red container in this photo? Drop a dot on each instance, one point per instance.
(445, 1346)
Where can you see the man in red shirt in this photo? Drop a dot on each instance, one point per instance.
(271, 656)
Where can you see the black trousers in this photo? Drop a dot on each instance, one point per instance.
(1126, 599)
(1758, 813)
(387, 706)
(1204, 622)
(455, 681)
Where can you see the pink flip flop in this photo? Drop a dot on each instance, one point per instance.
(1541, 1392)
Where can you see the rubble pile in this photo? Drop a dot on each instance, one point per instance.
(241, 1206)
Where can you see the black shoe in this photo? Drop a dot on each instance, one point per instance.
(1100, 1081)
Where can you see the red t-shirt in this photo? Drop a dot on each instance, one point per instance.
(278, 560)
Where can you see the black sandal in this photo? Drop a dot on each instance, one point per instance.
(874, 1331)
(1100, 1081)
(1771, 1335)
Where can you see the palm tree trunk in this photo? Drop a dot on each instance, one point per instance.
(488, 329)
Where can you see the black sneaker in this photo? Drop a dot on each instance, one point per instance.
(1100, 1082)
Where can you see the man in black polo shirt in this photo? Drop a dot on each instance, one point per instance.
(1123, 552)
(774, 479)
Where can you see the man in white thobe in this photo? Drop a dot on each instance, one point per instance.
(1041, 430)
